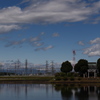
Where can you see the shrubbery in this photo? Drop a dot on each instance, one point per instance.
(72, 78)
(66, 76)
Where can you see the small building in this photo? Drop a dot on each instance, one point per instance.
(92, 71)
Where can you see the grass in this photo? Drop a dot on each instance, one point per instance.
(26, 78)
(50, 79)
(79, 80)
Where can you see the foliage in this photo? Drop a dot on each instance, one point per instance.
(79, 78)
(66, 67)
(70, 74)
(98, 65)
(61, 74)
(81, 66)
(77, 68)
(58, 78)
(65, 78)
(83, 69)
(72, 78)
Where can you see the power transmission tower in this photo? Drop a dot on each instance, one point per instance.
(26, 63)
(18, 63)
(15, 68)
(46, 67)
(18, 66)
(52, 67)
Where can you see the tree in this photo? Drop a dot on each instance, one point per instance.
(98, 65)
(83, 69)
(81, 66)
(66, 67)
(77, 68)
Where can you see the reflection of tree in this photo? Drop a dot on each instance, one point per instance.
(58, 87)
(98, 93)
(82, 94)
(66, 93)
(92, 89)
(75, 92)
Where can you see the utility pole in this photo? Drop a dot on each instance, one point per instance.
(46, 67)
(52, 67)
(26, 63)
(15, 68)
(18, 66)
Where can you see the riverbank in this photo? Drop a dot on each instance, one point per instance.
(47, 79)
(29, 79)
(79, 80)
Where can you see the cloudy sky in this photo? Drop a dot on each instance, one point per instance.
(40, 30)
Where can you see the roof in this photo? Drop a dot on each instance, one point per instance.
(92, 65)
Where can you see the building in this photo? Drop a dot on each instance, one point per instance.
(92, 71)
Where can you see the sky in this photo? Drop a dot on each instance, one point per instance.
(49, 30)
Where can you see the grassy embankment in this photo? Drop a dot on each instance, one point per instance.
(78, 80)
(26, 78)
(50, 79)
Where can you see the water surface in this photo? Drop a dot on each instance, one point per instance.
(49, 92)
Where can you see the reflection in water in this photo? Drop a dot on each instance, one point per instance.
(49, 92)
(66, 93)
(82, 94)
(72, 92)
(25, 91)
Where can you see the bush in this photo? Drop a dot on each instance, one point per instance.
(79, 78)
(71, 74)
(57, 74)
(58, 78)
(76, 74)
(60, 74)
(72, 78)
(65, 78)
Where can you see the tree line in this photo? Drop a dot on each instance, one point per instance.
(81, 66)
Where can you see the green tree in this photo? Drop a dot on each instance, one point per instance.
(66, 67)
(77, 68)
(83, 69)
(81, 66)
(98, 65)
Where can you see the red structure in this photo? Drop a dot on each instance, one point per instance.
(74, 53)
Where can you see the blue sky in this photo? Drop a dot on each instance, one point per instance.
(40, 30)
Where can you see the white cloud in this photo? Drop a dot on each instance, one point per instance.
(49, 47)
(97, 40)
(24, 1)
(13, 43)
(50, 11)
(37, 44)
(95, 53)
(33, 39)
(44, 48)
(80, 43)
(42, 33)
(55, 35)
(7, 28)
(72, 62)
(93, 50)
